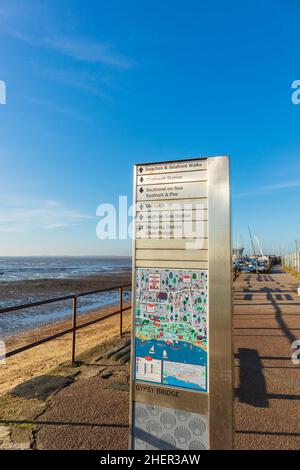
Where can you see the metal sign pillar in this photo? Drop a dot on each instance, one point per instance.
(181, 367)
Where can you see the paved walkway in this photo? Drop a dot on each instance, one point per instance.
(89, 412)
(267, 393)
(92, 412)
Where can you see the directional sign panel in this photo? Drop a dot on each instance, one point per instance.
(171, 167)
(175, 205)
(154, 192)
(185, 228)
(180, 177)
(181, 384)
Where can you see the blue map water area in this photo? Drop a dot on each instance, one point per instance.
(173, 382)
(176, 352)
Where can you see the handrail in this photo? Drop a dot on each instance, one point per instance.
(59, 299)
(74, 327)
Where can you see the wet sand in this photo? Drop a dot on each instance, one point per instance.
(38, 360)
(18, 292)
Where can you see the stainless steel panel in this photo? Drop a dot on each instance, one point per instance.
(169, 178)
(163, 428)
(169, 167)
(171, 264)
(172, 215)
(177, 230)
(171, 397)
(175, 255)
(172, 191)
(220, 305)
(132, 365)
(179, 204)
(173, 244)
(216, 199)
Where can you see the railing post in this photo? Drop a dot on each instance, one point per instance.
(121, 310)
(74, 301)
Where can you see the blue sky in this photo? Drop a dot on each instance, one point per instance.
(94, 87)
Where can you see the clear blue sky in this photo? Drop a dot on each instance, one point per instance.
(94, 87)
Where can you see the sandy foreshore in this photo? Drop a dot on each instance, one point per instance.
(27, 291)
(38, 360)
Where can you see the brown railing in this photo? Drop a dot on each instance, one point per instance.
(74, 327)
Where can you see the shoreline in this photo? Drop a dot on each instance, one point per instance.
(55, 287)
(21, 292)
(41, 359)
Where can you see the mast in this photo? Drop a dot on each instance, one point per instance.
(259, 246)
(254, 254)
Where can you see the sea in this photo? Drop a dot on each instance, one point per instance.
(13, 269)
(29, 268)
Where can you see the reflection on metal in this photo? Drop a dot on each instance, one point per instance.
(175, 401)
(220, 305)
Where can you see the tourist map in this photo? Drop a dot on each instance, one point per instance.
(171, 327)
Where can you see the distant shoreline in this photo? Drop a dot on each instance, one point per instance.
(28, 268)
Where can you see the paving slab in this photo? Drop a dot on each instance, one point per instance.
(92, 412)
(266, 321)
(41, 387)
(89, 414)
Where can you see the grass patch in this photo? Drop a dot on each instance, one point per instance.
(25, 425)
(292, 272)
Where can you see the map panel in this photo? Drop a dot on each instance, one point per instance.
(180, 374)
(171, 327)
(148, 370)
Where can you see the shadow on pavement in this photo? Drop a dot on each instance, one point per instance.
(252, 389)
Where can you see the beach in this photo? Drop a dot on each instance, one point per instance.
(41, 359)
(38, 360)
(29, 291)
(12, 292)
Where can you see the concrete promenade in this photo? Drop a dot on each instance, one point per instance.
(91, 411)
(267, 389)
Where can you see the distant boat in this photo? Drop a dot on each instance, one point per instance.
(165, 353)
(152, 351)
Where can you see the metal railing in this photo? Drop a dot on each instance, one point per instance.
(75, 327)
